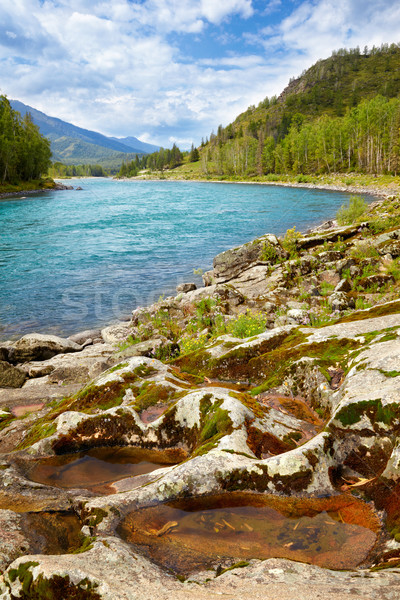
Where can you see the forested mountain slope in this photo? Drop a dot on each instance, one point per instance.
(74, 145)
(342, 114)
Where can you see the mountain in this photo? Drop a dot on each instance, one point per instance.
(330, 87)
(342, 114)
(133, 142)
(73, 145)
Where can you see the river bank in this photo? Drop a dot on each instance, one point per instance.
(35, 189)
(90, 257)
(278, 380)
(352, 183)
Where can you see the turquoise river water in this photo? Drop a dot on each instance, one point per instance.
(71, 260)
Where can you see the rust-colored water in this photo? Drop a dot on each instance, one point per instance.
(190, 535)
(98, 468)
(20, 411)
(52, 532)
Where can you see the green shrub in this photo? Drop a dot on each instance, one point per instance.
(347, 215)
(302, 179)
(247, 325)
(290, 240)
(268, 253)
(364, 250)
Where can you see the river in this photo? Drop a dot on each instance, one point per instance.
(71, 260)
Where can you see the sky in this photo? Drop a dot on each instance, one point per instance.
(171, 71)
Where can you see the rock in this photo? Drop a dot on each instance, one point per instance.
(141, 349)
(208, 278)
(79, 188)
(229, 296)
(4, 353)
(12, 540)
(83, 336)
(327, 236)
(297, 315)
(329, 256)
(375, 281)
(340, 301)
(232, 263)
(10, 376)
(329, 276)
(344, 285)
(36, 346)
(186, 287)
(391, 247)
(314, 291)
(73, 368)
(117, 334)
(344, 265)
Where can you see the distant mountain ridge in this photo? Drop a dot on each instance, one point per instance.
(74, 145)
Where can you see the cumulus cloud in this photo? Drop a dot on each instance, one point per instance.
(124, 67)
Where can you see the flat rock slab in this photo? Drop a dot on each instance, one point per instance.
(36, 346)
(353, 328)
(119, 574)
(40, 392)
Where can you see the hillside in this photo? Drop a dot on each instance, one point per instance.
(342, 114)
(73, 145)
(330, 86)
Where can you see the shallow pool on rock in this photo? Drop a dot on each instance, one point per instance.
(96, 469)
(196, 534)
(52, 532)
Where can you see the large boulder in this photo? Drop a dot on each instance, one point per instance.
(11, 377)
(36, 346)
(231, 263)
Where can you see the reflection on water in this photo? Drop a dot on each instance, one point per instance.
(99, 467)
(52, 532)
(190, 535)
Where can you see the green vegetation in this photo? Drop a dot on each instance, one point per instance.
(59, 169)
(290, 240)
(347, 215)
(341, 115)
(24, 153)
(247, 325)
(157, 161)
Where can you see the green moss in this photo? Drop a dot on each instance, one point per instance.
(271, 368)
(291, 438)
(230, 451)
(151, 393)
(55, 588)
(117, 367)
(21, 572)
(96, 516)
(87, 544)
(6, 421)
(247, 400)
(373, 409)
(389, 373)
(380, 310)
(37, 432)
(216, 422)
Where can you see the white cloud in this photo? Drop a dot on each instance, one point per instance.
(117, 66)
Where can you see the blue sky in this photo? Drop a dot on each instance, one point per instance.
(172, 70)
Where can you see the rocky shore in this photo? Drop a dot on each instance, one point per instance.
(23, 193)
(275, 387)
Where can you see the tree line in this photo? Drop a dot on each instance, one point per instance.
(165, 158)
(24, 152)
(59, 169)
(366, 139)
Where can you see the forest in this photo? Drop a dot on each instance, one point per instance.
(366, 139)
(24, 152)
(342, 114)
(59, 169)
